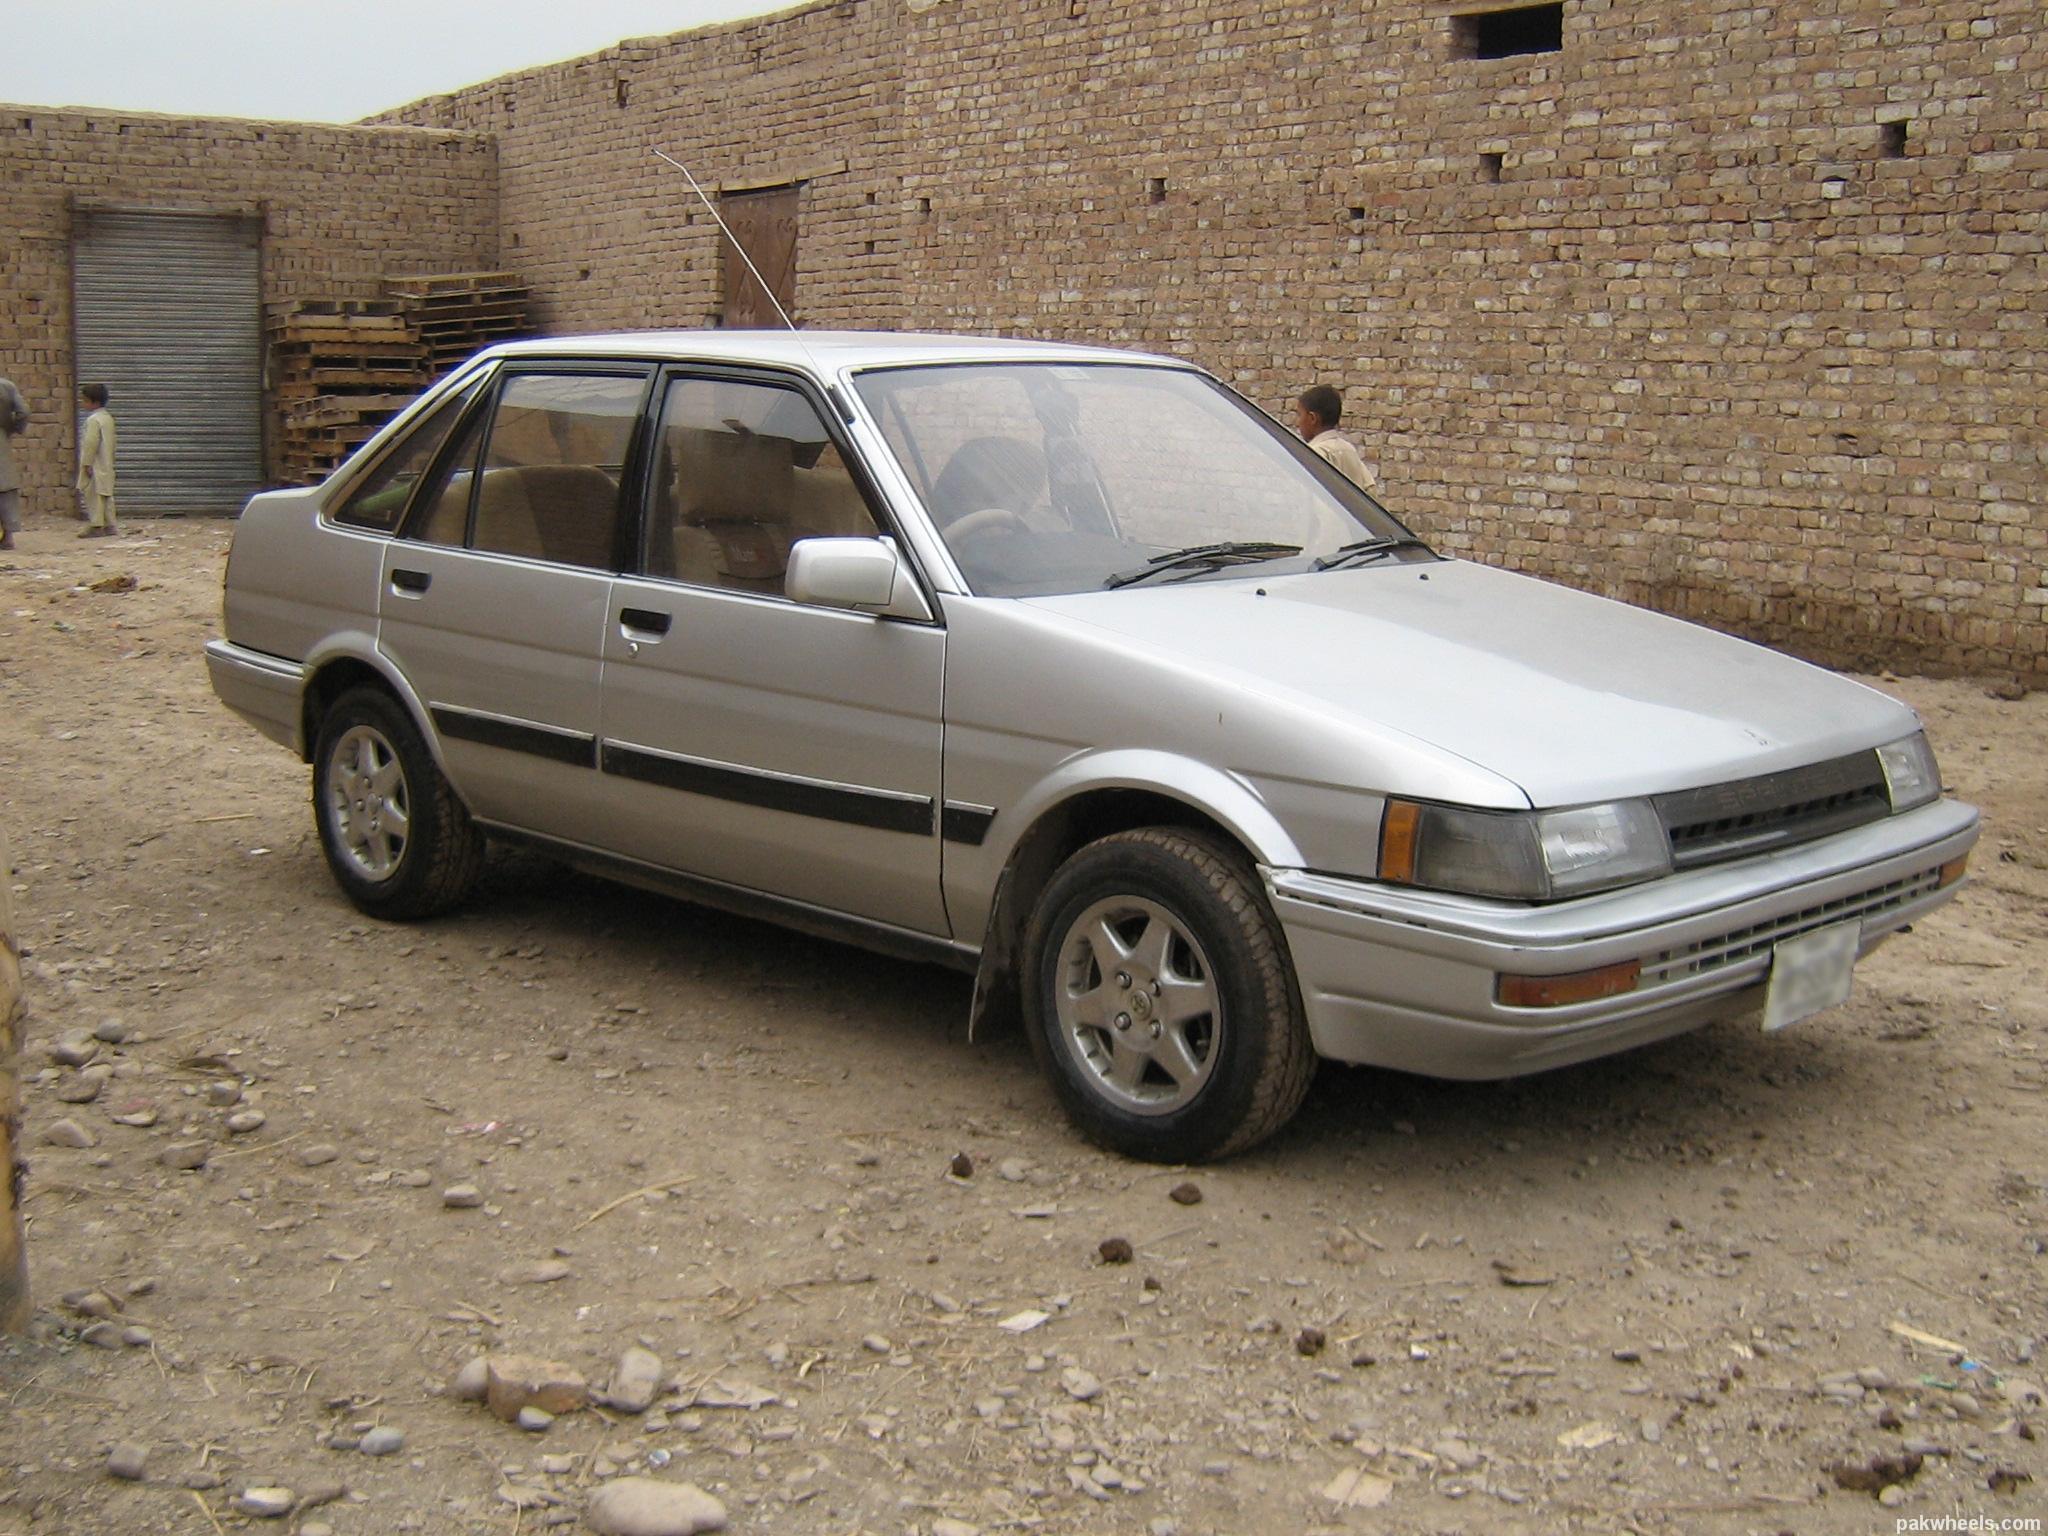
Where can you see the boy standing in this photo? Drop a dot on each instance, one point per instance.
(1316, 414)
(96, 465)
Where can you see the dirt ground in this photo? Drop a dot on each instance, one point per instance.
(1629, 1297)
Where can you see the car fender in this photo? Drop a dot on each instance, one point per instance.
(360, 645)
(1222, 796)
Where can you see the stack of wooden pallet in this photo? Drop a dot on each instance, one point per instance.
(340, 369)
(456, 313)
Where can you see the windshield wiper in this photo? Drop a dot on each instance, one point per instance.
(1246, 550)
(1344, 554)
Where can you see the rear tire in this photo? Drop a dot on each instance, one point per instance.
(398, 841)
(1161, 1000)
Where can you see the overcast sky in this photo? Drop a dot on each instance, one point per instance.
(312, 60)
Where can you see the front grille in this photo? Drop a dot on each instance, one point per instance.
(1741, 944)
(1777, 810)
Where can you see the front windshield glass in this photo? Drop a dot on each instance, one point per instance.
(1063, 477)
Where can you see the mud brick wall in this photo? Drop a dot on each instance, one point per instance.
(341, 206)
(1679, 312)
(1734, 310)
(611, 238)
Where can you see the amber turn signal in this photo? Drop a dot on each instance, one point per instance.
(1578, 987)
(1399, 824)
(1952, 871)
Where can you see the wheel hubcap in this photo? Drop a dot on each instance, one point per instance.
(368, 802)
(1137, 1005)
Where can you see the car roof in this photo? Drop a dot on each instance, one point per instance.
(819, 351)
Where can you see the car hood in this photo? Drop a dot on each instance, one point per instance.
(1571, 697)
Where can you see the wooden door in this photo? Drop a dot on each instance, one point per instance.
(765, 223)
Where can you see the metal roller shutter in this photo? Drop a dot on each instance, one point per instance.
(168, 315)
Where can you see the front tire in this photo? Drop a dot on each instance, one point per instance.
(396, 838)
(1161, 1000)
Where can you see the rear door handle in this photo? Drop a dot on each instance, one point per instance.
(411, 581)
(647, 621)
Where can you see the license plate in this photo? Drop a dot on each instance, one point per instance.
(1810, 973)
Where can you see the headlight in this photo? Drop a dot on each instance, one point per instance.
(1522, 855)
(1910, 776)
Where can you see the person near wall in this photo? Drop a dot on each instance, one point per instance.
(96, 465)
(13, 422)
(1316, 414)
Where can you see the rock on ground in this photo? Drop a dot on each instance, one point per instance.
(647, 1506)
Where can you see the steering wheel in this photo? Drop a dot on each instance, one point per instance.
(987, 520)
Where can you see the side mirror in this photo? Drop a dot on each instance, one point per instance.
(862, 574)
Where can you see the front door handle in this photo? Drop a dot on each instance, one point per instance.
(411, 581)
(646, 621)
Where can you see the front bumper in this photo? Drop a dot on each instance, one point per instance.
(1406, 979)
(267, 691)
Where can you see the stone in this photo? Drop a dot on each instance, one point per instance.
(636, 1381)
(1185, 1193)
(243, 1121)
(382, 1441)
(141, 1118)
(110, 1030)
(266, 1503)
(534, 1420)
(135, 1336)
(648, 1506)
(1082, 1386)
(462, 1197)
(1891, 1496)
(1115, 1250)
(74, 1050)
(544, 1272)
(962, 1166)
(876, 1344)
(80, 1088)
(316, 1154)
(1013, 1170)
(126, 1460)
(185, 1156)
(513, 1382)
(103, 1335)
(472, 1381)
(223, 1092)
(948, 1527)
(69, 1133)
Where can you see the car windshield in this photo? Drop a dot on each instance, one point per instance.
(1064, 477)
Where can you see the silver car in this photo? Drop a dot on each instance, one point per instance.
(1069, 668)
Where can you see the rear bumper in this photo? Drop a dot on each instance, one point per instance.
(1406, 979)
(264, 690)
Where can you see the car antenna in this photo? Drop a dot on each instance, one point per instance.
(831, 390)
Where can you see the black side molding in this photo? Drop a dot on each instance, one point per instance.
(828, 802)
(963, 823)
(571, 747)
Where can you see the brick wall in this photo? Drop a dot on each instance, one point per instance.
(340, 207)
(1676, 313)
(610, 237)
(1707, 342)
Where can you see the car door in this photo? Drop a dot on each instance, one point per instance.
(495, 602)
(749, 739)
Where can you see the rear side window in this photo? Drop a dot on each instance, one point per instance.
(549, 487)
(380, 500)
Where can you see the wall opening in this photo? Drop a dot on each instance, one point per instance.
(1155, 189)
(1491, 164)
(1505, 34)
(1893, 138)
(764, 223)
